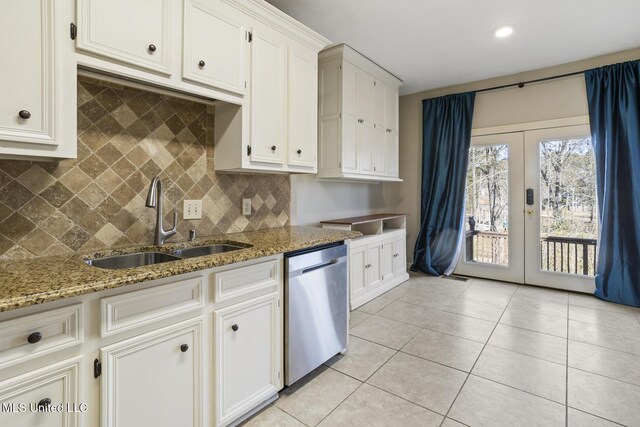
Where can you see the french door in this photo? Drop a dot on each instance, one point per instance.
(530, 210)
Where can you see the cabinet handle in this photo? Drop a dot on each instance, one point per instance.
(184, 348)
(388, 130)
(44, 403)
(201, 64)
(396, 255)
(234, 328)
(24, 114)
(152, 47)
(34, 337)
(299, 152)
(273, 148)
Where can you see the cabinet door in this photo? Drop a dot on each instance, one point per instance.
(391, 156)
(380, 151)
(350, 122)
(364, 142)
(38, 70)
(374, 264)
(392, 145)
(380, 104)
(215, 45)
(357, 271)
(392, 109)
(154, 379)
(303, 107)
(56, 384)
(268, 96)
(134, 32)
(26, 85)
(399, 256)
(364, 96)
(364, 130)
(248, 355)
(386, 260)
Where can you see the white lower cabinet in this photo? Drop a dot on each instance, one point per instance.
(399, 255)
(377, 263)
(144, 355)
(358, 271)
(154, 379)
(247, 355)
(46, 397)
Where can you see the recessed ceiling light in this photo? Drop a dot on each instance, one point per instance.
(504, 31)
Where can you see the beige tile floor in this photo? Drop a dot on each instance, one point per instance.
(439, 352)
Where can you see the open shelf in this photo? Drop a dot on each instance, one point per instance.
(370, 225)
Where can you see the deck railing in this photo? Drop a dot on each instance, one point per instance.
(573, 255)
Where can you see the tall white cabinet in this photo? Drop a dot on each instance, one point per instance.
(358, 118)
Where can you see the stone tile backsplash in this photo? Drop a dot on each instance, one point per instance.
(125, 137)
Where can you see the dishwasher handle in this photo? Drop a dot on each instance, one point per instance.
(319, 266)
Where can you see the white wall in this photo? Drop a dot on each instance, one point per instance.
(536, 102)
(313, 201)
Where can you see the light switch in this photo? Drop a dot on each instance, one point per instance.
(246, 207)
(192, 209)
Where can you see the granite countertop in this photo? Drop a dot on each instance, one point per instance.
(44, 279)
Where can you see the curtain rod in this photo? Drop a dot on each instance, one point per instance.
(522, 84)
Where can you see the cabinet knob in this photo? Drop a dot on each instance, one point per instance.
(388, 130)
(299, 152)
(24, 114)
(152, 47)
(396, 255)
(184, 348)
(273, 148)
(234, 328)
(44, 403)
(201, 64)
(34, 337)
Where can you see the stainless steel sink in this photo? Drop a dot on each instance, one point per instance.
(131, 260)
(206, 250)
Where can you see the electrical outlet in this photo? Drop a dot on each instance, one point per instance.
(246, 207)
(192, 209)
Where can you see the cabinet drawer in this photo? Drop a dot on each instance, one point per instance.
(57, 384)
(241, 281)
(122, 312)
(35, 335)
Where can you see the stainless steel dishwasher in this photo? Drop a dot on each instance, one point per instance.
(316, 308)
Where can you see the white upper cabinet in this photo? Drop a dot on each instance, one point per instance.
(268, 96)
(358, 124)
(303, 112)
(138, 32)
(38, 81)
(277, 131)
(215, 45)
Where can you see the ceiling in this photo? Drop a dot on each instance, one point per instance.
(431, 44)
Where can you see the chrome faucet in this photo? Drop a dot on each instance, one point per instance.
(154, 200)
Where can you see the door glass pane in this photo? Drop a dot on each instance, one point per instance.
(568, 216)
(487, 209)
